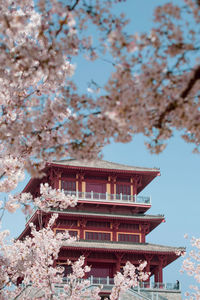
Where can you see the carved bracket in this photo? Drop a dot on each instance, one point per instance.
(116, 225)
(145, 228)
(112, 178)
(80, 176)
(82, 223)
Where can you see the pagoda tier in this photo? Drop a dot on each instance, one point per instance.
(107, 258)
(109, 221)
(109, 240)
(115, 225)
(99, 185)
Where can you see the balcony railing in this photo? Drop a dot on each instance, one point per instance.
(146, 200)
(108, 281)
(105, 197)
(159, 285)
(145, 290)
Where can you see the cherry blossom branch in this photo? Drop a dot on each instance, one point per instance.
(130, 278)
(191, 267)
(191, 83)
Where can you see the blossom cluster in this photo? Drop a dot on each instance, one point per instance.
(130, 277)
(29, 266)
(12, 171)
(49, 198)
(32, 262)
(191, 265)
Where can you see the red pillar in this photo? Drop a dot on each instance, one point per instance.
(112, 183)
(119, 257)
(156, 275)
(160, 273)
(115, 228)
(148, 269)
(82, 224)
(80, 180)
(118, 264)
(143, 237)
(162, 263)
(148, 258)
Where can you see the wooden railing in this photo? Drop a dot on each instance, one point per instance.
(93, 196)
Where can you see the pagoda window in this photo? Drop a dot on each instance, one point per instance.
(123, 189)
(101, 270)
(96, 187)
(98, 236)
(129, 226)
(68, 185)
(72, 233)
(130, 238)
(98, 224)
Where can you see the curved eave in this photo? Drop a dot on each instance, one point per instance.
(114, 246)
(103, 249)
(153, 220)
(33, 182)
(27, 227)
(124, 248)
(155, 172)
(29, 185)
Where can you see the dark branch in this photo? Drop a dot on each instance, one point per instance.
(191, 83)
(170, 107)
(173, 105)
(70, 8)
(73, 6)
(2, 175)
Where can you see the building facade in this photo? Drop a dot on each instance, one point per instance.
(110, 223)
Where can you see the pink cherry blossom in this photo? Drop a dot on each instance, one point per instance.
(192, 268)
(129, 278)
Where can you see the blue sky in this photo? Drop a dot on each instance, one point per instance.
(176, 193)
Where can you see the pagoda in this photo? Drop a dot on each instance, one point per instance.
(109, 221)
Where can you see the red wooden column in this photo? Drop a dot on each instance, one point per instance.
(133, 188)
(80, 178)
(160, 273)
(82, 224)
(119, 257)
(115, 228)
(112, 180)
(162, 263)
(148, 258)
(156, 274)
(144, 231)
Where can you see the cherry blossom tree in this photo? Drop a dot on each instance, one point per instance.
(31, 261)
(153, 88)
